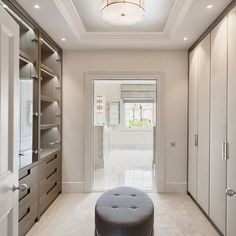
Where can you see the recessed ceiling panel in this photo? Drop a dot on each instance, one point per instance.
(156, 16)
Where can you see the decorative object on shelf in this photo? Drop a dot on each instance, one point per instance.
(123, 12)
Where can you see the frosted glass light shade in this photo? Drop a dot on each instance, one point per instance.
(123, 12)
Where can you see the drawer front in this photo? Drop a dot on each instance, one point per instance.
(49, 164)
(30, 198)
(28, 220)
(29, 177)
(48, 197)
(52, 177)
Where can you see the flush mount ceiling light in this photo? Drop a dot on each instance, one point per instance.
(123, 12)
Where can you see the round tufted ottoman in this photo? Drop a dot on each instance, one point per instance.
(124, 211)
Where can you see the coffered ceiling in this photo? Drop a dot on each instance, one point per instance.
(156, 15)
(164, 26)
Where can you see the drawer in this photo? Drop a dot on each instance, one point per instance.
(29, 176)
(49, 164)
(28, 220)
(52, 177)
(48, 197)
(27, 200)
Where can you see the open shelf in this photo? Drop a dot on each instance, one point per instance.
(48, 99)
(26, 57)
(46, 152)
(48, 126)
(47, 73)
(45, 47)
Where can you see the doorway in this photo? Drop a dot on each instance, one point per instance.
(124, 140)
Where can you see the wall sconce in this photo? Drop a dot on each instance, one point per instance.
(100, 104)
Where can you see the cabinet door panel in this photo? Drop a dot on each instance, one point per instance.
(192, 151)
(231, 170)
(204, 52)
(218, 123)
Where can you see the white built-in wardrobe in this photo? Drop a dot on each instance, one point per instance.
(212, 124)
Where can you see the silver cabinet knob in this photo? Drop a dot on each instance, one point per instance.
(21, 188)
(230, 192)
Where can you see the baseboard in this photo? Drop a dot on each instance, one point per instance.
(176, 187)
(72, 187)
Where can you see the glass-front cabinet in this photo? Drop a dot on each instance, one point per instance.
(28, 66)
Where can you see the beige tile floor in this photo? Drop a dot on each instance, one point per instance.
(125, 168)
(73, 215)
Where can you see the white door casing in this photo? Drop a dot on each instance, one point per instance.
(88, 117)
(9, 123)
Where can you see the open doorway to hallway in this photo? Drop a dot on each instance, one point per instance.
(124, 133)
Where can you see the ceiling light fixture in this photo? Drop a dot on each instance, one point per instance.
(36, 6)
(209, 6)
(123, 12)
(185, 38)
(63, 39)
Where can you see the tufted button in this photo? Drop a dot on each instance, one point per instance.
(134, 207)
(114, 207)
(116, 194)
(133, 195)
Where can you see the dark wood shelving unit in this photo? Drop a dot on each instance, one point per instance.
(27, 58)
(40, 151)
(48, 99)
(47, 152)
(48, 126)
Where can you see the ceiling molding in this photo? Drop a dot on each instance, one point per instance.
(178, 12)
(71, 15)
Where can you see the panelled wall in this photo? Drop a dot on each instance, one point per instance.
(212, 124)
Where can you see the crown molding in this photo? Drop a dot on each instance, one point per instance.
(177, 15)
(68, 11)
(70, 14)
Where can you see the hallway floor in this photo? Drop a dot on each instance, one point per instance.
(125, 168)
(73, 215)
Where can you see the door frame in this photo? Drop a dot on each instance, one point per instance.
(159, 181)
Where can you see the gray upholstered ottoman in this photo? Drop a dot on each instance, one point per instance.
(124, 211)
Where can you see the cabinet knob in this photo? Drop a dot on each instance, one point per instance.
(230, 192)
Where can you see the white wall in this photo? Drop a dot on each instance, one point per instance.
(173, 63)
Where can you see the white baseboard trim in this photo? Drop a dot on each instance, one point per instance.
(175, 187)
(72, 187)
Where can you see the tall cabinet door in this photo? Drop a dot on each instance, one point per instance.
(192, 161)
(204, 53)
(218, 123)
(231, 162)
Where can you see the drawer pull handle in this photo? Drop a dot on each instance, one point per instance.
(54, 185)
(51, 160)
(26, 213)
(28, 173)
(25, 195)
(55, 171)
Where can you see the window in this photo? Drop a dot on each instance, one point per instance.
(139, 115)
